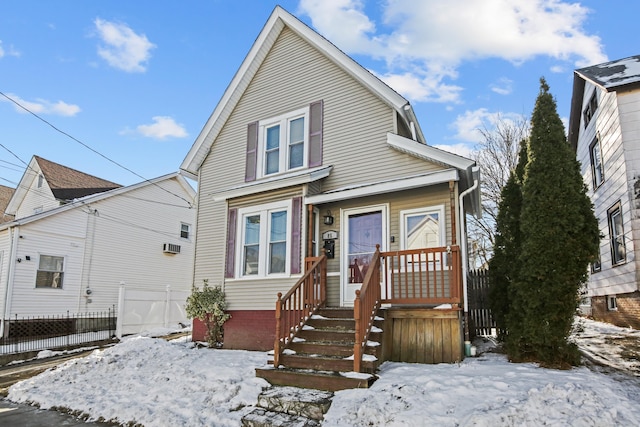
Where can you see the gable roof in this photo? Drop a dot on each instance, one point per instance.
(613, 76)
(65, 183)
(105, 195)
(278, 20)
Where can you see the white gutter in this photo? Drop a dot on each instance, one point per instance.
(463, 238)
(10, 276)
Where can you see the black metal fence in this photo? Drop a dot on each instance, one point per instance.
(57, 332)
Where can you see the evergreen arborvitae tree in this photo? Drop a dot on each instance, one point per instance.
(502, 266)
(560, 237)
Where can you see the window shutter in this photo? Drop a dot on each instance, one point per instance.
(252, 152)
(229, 267)
(296, 232)
(315, 133)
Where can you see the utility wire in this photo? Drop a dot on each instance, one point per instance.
(84, 145)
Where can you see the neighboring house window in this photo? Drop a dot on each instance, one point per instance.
(287, 142)
(616, 233)
(185, 230)
(597, 167)
(282, 141)
(50, 272)
(590, 109)
(264, 232)
(40, 180)
(612, 303)
(596, 265)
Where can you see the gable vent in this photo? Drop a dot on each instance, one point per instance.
(170, 248)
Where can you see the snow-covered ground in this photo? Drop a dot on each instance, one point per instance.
(157, 383)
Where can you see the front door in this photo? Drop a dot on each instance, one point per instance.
(363, 229)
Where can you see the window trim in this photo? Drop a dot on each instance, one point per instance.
(188, 236)
(439, 209)
(283, 121)
(613, 211)
(38, 270)
(596, 143)
(612, 303)
(263, 242)
(590, 109)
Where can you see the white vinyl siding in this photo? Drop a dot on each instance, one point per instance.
(607, 126)
(114, 240)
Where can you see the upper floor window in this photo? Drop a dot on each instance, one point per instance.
(282, 142)
(40, 181)
(597, 167)
(185, 230)
(590, 109)
(616, 233)
(50, 272)
(287, 142)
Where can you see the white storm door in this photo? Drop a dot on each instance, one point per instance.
(363, 229)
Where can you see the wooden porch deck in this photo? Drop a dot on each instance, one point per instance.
(408, 284)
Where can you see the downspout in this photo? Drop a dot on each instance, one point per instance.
(10, 276)
(463, 252)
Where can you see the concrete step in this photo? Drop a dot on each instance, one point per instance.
(260, 417)
(296, 401)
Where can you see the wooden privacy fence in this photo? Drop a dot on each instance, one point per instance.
(481, 321)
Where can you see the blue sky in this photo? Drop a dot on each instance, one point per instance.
(135, 81)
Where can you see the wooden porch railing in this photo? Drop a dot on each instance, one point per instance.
(422, 276)
(295, 307)
(417, 277)
(365, 307)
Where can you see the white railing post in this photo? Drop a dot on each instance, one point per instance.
(120, 315)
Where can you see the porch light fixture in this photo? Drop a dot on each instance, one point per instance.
(328, 218)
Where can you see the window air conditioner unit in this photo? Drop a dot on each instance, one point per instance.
(170, 248)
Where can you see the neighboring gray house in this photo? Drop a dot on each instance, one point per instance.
(75, 238)
(604, 130)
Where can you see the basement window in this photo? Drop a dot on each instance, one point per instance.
(612, 303)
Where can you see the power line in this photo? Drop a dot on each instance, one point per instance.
(84, 145)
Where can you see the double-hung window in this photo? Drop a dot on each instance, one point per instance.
(185, 230)
(282, 143)
(265, 231)
(590, 109)
(50, 272)
(597, 167)
(616, 233)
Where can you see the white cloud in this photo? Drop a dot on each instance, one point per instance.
(503, 86)
(425, 42)
(461, 149)
(468, 125)
(11, 52)
(163, 127)
(42, 106)
(123, 48)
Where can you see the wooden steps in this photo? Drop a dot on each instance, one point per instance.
(321, 355)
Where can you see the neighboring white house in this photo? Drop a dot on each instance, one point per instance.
(81, 244)
(604, 130)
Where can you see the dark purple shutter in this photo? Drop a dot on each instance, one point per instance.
(296, 233)
(315, 133)
(232, 220)
(252, 152)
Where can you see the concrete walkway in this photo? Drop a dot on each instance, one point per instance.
(14, 415)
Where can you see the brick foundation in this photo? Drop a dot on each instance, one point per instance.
(627, 314)
(246, 330)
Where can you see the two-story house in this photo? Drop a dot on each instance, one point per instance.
(604, 129)
(76, 243)
(318, 190)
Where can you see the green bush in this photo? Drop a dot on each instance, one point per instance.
(208, 304)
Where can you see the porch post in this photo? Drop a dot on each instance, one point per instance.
(310, 230)
(452, 201)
